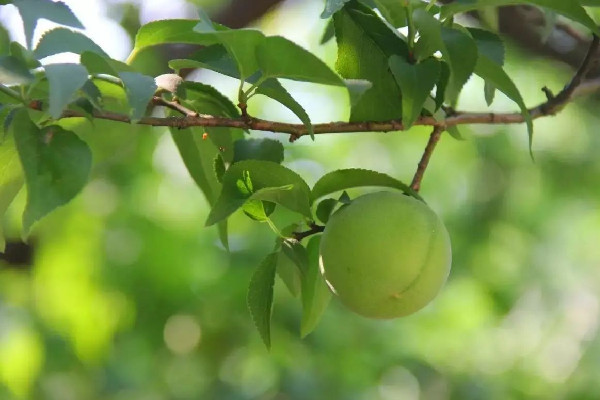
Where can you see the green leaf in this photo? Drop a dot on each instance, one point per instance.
(270, 181)
(140, 89)
(332, 6)
(488, 44)
(324, 209)
(56, 163)
(493, 73)
(242, 44)
(260, 296)
(365, 44)
(442, 83)
(349, 178)
(97, 64)
(63, 40)
(416, 82)
(64, 81)
(205, 99)
(169, 31)
(315, 292)
(14, 71)
(11, 178)
(33, 10)
(273, 89)
(328, 33)
(288, 272)
(26, 56)
(278, 58)
(217, 59)
(457, 48)
(297, 254)
(460, 51)
(258, 149)
(569, 8)
(393, 11)
(220, 168)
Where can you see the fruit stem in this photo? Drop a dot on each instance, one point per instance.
(433, 140)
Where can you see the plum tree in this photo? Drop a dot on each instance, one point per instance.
(385, 255)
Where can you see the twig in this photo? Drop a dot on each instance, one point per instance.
(433, 140)
(577, 87)
(174, 105)
(314, 228)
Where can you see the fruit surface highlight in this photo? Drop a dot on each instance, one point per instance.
(385, 255)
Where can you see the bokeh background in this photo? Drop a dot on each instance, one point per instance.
(124, 295)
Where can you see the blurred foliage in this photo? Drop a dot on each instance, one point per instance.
(129, 297)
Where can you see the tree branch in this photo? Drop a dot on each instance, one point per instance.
(576, 87)
(314, 229)
(433, 140)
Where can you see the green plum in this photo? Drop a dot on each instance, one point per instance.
(385, 255)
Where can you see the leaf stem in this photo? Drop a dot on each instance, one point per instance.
(12, 93)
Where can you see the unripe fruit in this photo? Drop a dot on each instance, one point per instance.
(385, 255)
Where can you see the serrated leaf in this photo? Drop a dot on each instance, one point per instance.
(33, 10)
(460, 51)
(457, 48)
(140, 89)
(205, 99)
(324, 209)
(493, 73)
(258, 149)
(97, 64)
(315, 292)
(442, 83)
(416, 82)
(328, 33)
(278, 58)
(14, 71)
(288, 272)
(219, 166)
(488, 44)
(56, 162)
(297, 254)
(569, 8)
(393, 11)
(64, 81)
(273, 89)
(270, 181)
(217, 59)
(11, 178)
(365, 44)
(349, 178)
(169, 31)
(332, 6)
(260, 296)
(63, 40)
(26, 56)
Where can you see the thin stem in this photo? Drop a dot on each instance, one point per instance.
(12, 93)
(314, 229)
(433, 140)
(430, 5)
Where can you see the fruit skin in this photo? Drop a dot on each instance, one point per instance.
(385, 255)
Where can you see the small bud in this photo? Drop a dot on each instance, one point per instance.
(204, 136)
(168, 82)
